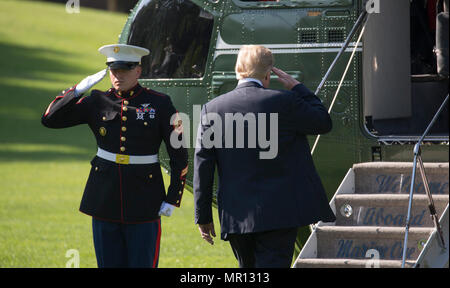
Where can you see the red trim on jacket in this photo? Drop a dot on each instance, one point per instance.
(81, 100)
(49, 106)
(155, 92)
(58, 97)
(71, 89)
(121, 125)
(132, 89)
(120, 171)
(183, 181)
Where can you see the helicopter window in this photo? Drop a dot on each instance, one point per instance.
(177, 33)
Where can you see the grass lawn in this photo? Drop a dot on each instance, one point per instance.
(43, 171)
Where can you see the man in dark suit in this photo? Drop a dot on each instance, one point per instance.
(265, 192)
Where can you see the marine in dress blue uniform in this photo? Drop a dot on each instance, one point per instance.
(125, 193)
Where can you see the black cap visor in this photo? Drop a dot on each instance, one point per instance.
(123, 65)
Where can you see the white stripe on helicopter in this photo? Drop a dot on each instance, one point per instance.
(223, 48)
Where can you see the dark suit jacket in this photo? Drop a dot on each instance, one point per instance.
(263, 194)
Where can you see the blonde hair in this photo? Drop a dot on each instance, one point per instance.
(253, 61)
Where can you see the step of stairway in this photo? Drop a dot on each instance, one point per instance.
(355, 241)
(395, 177)
(386, 209)
(350, 263)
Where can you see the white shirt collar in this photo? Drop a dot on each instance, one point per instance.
(250, 80)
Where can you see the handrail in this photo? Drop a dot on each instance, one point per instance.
(361, 21)
(431, 207)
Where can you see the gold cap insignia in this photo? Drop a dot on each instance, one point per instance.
(116, 49)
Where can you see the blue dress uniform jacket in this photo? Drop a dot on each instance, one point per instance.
(254, 194)
(132, 123)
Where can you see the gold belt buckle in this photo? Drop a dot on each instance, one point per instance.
(122, 159)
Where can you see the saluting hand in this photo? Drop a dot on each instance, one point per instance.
(207, 230)
(88, 82)
(285, 79)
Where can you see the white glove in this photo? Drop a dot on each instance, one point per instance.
(90, 81)
(166, 209)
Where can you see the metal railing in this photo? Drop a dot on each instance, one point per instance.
(360, 22)
(431, 207)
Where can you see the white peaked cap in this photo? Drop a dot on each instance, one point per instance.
(123, 52)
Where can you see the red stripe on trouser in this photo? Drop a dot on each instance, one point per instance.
(158, 238)
(121, 197)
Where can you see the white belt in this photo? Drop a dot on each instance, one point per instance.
(127, 159)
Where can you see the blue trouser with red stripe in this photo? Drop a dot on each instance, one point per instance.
(126, 245)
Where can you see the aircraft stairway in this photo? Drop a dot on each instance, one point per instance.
(371, 208)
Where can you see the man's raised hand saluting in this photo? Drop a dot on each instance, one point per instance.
(88, 82)
(285, 79)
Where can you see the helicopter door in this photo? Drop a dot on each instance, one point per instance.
(401, 84)
(386, 63)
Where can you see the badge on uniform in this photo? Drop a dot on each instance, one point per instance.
(152, 113)
(140, 112)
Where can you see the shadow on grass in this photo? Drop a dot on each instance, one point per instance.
(22, 108)
(44, 156)
(30, 63)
